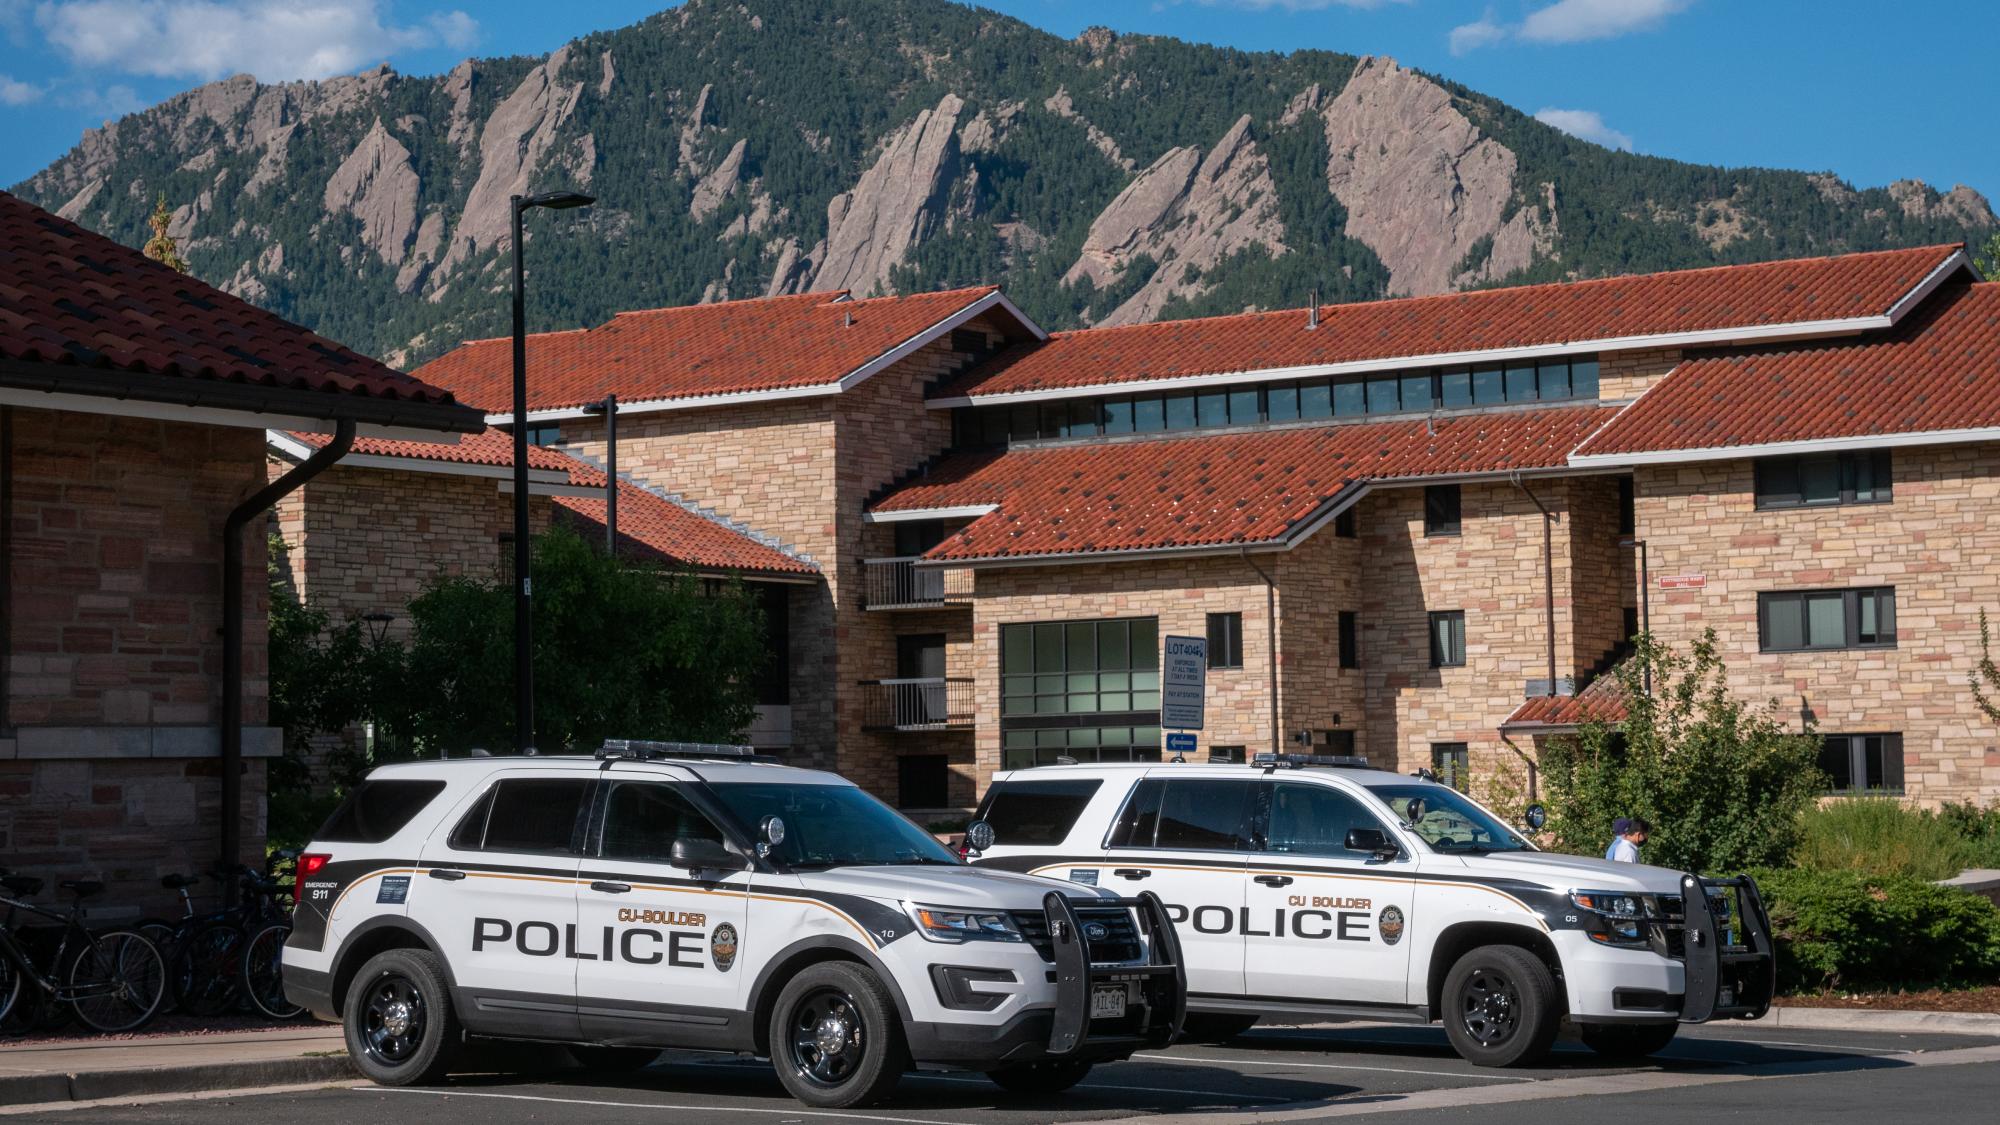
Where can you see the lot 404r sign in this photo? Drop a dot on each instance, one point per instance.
(1182, 682)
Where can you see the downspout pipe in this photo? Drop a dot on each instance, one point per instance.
(1548, 570)
(232, 633)
(1271, 623)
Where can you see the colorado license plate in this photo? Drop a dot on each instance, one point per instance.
(1107, 1002)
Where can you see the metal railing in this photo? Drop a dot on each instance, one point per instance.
(898, 583)
(917, 703)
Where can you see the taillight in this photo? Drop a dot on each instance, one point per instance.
(307, 866)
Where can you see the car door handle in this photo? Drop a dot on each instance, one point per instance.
(611, 888)
(1274, 880)
(448, 874)
(1130, 872)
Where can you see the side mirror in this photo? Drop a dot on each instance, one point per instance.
(979, 836)
(705, 855)
(1373, 841)
(1414, 811)
(1535, 817)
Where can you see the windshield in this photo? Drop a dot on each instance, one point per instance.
(833, 826)
(1450, 821)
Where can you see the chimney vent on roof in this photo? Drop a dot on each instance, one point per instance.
(847, 318)
(1312, 317)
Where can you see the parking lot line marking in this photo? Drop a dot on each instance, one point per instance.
(1339, 1066)
(1810, 1046)
(1133, 1089)
(789, 1112)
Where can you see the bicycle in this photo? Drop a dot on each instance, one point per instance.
(223, 959)
(113, 981)
(263, 976)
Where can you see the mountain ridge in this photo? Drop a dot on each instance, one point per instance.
(772, 146)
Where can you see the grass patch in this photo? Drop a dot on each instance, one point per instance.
(1882, 836)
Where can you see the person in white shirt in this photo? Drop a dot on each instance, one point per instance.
(1627, 833)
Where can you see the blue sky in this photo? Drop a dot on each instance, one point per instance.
(1875, 91)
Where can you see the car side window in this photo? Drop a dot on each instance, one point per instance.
(1195, 813)
(525, 814)
(1314, 820)
(643, 819)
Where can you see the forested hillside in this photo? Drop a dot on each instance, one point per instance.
(771, 146)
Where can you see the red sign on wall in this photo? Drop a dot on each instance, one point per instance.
(1683, 581)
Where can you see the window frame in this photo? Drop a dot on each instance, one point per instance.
(1439, 657)
(601, 821)
(1245, 827)
(1264, 817)
(1347, 626)
(1460, 755)
(1884, 598)
(1437, 523)
(1231, 656)
(488, 797)
(1857, 764)
(1847, 466)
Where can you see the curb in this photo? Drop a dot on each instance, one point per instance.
(93, 1085)
(1880, 1019)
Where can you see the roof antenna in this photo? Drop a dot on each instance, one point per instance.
(847, 318)
(1430, 424)
(1312, 318)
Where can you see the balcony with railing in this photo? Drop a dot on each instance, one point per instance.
(899, 583)
(917, 703)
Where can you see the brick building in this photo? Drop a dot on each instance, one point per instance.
(133, 406)
(1411, 528)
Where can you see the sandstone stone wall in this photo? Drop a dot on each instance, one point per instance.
(108, 765)
(1936, 542)
(1626, 375)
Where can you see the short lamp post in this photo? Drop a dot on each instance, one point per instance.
(1645, 599)
(378, 631)
(524, 662)
(609, 408)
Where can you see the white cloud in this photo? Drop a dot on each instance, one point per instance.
(1574, 21)
(206, 39)
(1584, 124)
(1472, 36)
(14, 92)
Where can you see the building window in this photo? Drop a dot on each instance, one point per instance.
(1824, 480)
(1863, 763)
(1088, 690)
(544, 435)
(1452, 763)
(1628, 514)
(1448, 639)
(1350, 639)
(1344, 525)
(1225, 640)
(1340, 742)
(1441, 509)
(1798, 620)
(1233, 755)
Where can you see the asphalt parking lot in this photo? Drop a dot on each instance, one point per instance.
(1272, 1074)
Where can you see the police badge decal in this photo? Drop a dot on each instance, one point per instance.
(1391, 925)
(722, 947)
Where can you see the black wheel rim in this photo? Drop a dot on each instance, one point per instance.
(393, 1020)
(1490, 1007)
(828, 1038)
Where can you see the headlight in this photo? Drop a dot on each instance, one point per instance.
(940, 923)
(1619, 916)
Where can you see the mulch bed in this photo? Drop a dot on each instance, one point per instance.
(1930, 1000)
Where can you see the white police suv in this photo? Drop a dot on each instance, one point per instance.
(674, 896)
(1312, 887)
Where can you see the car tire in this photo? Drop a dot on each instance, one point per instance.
(836, 1038)
(1500, 1006)
(401, 1028)
(1050, 1076)
(1628, 1042)
(613, 1060)
(1202, 1027)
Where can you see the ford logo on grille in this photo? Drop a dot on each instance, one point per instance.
(1096, 931)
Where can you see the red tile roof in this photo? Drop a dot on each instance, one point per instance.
(1703, 300)
(1216, 490)
(696, 351)
(75, 299)
(1568, 711)
(1938, 370)
(491, 447)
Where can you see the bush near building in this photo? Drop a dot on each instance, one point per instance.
(1884, 836)
(1852, 931)
(1723, 783)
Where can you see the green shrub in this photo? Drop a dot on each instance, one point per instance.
(1882, 836)
(1844, 929)
(1980, 829)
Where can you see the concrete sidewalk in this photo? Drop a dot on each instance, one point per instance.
(77, 1070)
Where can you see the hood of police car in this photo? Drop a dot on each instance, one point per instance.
(950, 886)
(1574, 872)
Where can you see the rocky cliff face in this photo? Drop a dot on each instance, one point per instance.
(743, 147)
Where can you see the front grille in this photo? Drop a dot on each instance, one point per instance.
(1119, 944)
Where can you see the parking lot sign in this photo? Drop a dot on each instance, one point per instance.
(1183, 683)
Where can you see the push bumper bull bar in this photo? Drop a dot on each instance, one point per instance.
(1726, 950)
(1156, 987)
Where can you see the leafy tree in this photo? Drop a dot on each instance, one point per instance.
(1986, 672)
(1722, 783)
(161, 247)
(621, 651)
(1987, 258)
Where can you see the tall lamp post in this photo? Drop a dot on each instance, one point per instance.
(524, 663)
(1645, 600)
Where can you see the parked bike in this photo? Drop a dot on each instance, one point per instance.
(113, 980)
